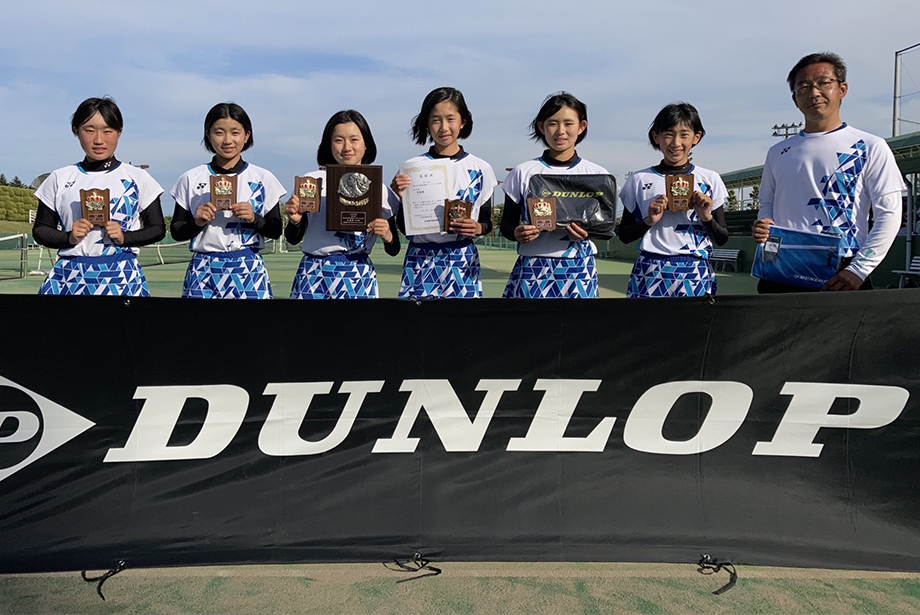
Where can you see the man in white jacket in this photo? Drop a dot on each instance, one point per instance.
(829, 176)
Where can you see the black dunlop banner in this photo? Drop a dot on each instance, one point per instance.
(765, 430)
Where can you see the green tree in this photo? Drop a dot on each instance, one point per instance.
(3, 181)
(17, 183)
(732, 204)
(497, 211)
(755, 197)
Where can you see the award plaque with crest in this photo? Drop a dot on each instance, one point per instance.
(94, 205)
(223, 191)
(354, 196)
(308, 190)
(542, 212)
(456, 210)
(679, 189)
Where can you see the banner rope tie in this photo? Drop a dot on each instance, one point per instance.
(710, 565)
(416, 564)
(121, 565)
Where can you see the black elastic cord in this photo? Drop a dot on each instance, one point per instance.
(121, 565)
(416, 564)
(709, 565)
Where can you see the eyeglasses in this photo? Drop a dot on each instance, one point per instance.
(822, 84)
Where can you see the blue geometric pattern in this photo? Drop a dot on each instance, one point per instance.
(836, 207)
(437, 271)
(696, 239)
(335, 277)
(244, 230)
(472, 191)
(353, 242)
(118, 275)
(122, 209)
(537, 277)
(695, 236)
(227, 275)
(670, 276)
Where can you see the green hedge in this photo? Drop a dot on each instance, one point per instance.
(15, 203)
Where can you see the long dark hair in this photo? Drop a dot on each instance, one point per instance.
(324, 151)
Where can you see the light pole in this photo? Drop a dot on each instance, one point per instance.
(787, 130)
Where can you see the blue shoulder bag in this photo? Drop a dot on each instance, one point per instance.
(800, 258)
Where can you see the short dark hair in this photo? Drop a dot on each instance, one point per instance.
(551, 106)
(104, 106)
(673, 115)
(222, 111)
(324, 151)
(436, 96)
(828, 57)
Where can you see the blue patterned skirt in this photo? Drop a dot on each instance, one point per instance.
(441, 270)
(239, 274)
(538, 277)
(671, 276)
(339, 276)
(118, 274)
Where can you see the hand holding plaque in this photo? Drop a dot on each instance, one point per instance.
(94, 206)
(308, 190)
(456, 210)
(679, 190)
(542, 211)
(223, 191)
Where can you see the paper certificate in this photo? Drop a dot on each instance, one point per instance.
(423, 200)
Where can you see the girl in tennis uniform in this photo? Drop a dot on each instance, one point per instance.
(675, 246)
(337, 264)
(557, 263)
(225, 243)
(440, 265)
(98, 259)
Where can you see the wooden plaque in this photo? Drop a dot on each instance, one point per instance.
(94, 205)
(456, 210)
(354, 196)
(223, 191)
(542, 212)
(679, 189)
(308, 190)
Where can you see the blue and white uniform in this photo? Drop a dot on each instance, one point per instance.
(226, 263)
(552, 265)
(444, 265)
(674, 253)
(829, 182)
(96, 265)
(336, 264)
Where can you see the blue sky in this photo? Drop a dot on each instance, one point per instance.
(291, 65)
